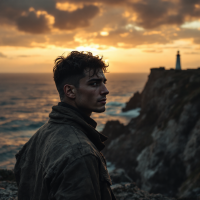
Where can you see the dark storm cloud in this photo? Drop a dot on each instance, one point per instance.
(78, 18)
(154, 13)
(33, 23)
(150, 13)
(90, 19)
(18, 13)
(111, 2)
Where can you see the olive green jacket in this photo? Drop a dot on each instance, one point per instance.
(62, 161)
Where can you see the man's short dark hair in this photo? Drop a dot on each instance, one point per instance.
(70, 69)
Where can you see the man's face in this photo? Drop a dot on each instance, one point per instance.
(91, 93)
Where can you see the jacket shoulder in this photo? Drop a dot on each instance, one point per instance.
(68, 141)
(68, 145)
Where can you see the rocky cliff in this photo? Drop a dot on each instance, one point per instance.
(160, 149)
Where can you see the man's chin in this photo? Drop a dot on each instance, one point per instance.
(100, 110)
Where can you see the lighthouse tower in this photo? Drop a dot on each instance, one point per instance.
(178, 62)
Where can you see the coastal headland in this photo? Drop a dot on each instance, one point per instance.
(160, 148)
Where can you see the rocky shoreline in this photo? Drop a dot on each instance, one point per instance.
(121, 188)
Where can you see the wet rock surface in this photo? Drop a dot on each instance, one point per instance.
(119, 176)
(160, 149)
(8, 190)
(130, 191)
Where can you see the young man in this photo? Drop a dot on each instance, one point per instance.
(62, 160)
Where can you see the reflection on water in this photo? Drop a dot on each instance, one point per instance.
(26, 101)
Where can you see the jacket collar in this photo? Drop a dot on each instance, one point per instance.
(89, 120)
(69, 114)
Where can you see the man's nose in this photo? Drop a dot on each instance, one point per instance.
(104, 90)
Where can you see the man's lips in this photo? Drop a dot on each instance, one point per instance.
(102, 100)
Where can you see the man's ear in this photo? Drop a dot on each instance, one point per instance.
(70, 91)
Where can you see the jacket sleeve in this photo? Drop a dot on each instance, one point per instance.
(77, 181)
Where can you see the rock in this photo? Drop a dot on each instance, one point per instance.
(119, 176)
(130, 191)
(134, 102)
(8, 190)
(160, 149)
(191, 187)
(6, 174)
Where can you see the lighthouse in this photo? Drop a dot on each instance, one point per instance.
(178, 61)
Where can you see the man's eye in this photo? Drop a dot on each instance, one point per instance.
(94, 84)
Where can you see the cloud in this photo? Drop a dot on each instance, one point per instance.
(123, 38)
(192, 53)
(192, 34)
(27, 56)
(155, 13)
(2, 55)
(13, 38)
(108, 2)
(152, 51)
(66, 40)
(24, 15)
(125, 24)
(77, 19)
(33, 23)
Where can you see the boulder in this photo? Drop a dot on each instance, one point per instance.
(134, 102)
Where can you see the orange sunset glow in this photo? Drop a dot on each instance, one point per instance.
(132, 35)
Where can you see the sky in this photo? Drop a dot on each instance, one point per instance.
(132, 35)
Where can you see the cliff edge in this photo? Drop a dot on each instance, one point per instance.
(160, 148)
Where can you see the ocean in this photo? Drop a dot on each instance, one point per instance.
(26, 101)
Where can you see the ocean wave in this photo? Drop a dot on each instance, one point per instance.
(16, 98)
(7, 156)
(2, 118)
(115, 103)
(33, 97)
(16, 125)
(131, 113)
(4, 103)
